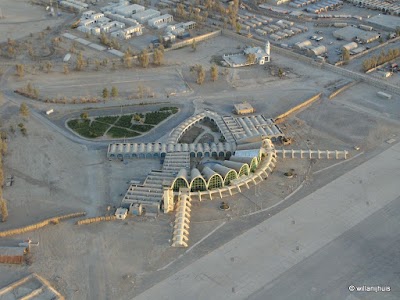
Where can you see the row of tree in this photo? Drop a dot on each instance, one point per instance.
(81, 62)
(201, 73)
(144, 57)
(113, 93)
(3, 151)
(382, 58)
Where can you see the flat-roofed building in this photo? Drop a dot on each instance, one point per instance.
(161, 21)
(352, 33)
(243, 108)
(129, 10)
(144, 16)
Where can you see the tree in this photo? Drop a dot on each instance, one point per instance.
(24, 110)
(35, 93)
(20, 70)
(3, 147)
(29, 88)
(238, 27)
(140, 91)
(48, 66)
(214, 72)
(80, 62)
(23, 131)
(114, 92)
(66, 69)
(84, 115)
(280, 73)
(105, 93)
(104, 39)
(11, 51)
(127, 59)
(158, 56)
(201, 75)
(144, 58)
(4, 210)
(251, 58)
(346, 55)
(97, 64)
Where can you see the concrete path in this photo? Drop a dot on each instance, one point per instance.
(253, 260)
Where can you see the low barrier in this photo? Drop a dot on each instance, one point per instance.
(306, 103)
(196, 39)
(342, 89)
(41, 224)
(95, 220)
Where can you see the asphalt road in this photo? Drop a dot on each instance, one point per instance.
(302, 245)
(367, 254)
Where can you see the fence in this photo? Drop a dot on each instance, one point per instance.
(343, 88)
(196, 39)
(39, 225)
(347, 73)
(308, 102)
(96, 219)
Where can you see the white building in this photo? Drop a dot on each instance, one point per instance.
(262, 55)
(114, 25)
(97, 16)
(112, 6)
(88, 14)
(161, 21)
(128, 33)
(120, 18)
(121, 213)
(143, 16)
(128, 11)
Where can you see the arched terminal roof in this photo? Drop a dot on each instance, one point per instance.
(180, 181)
(251, 161)
(240, 168)
(214, 180)
(198, 183)
(228, 174)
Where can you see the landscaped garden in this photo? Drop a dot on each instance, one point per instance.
(121, 126)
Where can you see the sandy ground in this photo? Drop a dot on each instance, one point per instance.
(120, 259)
(22, 18)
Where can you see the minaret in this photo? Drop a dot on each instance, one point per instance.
(267, 48)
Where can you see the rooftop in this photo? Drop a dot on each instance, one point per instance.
(390, 22)
(243, 106)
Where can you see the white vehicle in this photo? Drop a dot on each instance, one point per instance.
(319, 39)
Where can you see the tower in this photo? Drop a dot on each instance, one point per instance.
(267, 48)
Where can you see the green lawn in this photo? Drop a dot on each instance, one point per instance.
(124, 121)
(107, 119)
(116, 132)
(99, 126)
(141, 128)
(156, 117)
(85, 129)
(173, 109)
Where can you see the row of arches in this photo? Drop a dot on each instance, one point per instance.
(193, 154)
(210, 179)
